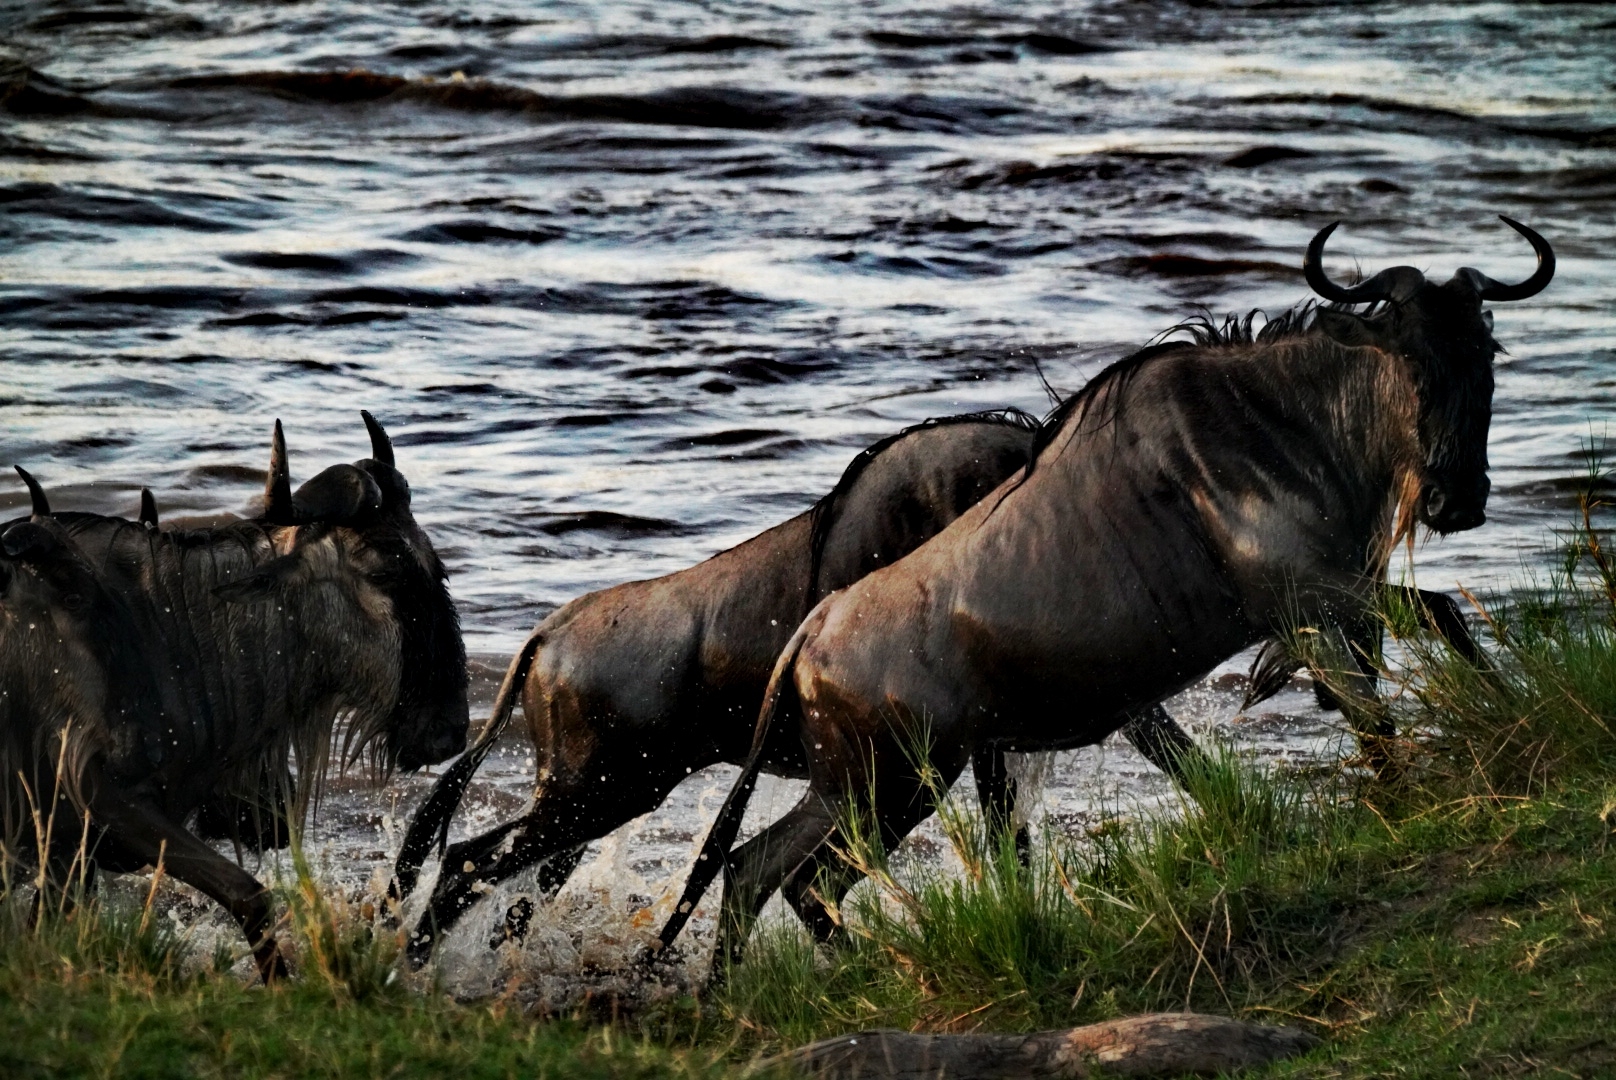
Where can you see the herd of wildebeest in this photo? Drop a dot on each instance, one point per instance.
(982, 584)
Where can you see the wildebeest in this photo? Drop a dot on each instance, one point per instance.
(1190, 500)
(193, 667)
(630, 689)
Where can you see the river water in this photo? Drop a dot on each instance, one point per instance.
(629, 282)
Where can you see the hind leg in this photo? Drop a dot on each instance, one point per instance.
(792, 845)
(816, 886)
(761, 865)
(556, 827)
(559, 867)
(823, 880)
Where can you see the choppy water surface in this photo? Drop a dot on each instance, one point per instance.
(629, 282)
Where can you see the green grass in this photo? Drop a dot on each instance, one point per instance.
(1455, 917)
(103, 988)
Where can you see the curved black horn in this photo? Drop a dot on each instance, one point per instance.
(1319, 281)
(278, 485)
(381, 447)
(148, 508)
(36, 494)
(1393, 283)
(1497, 292)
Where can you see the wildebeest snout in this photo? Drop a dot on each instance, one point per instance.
(441, 734)
(1450, 506)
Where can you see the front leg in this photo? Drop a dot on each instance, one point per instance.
(1343, 658)
(996, 789)
(1439, 615)
(1155, 734)
(137, 834)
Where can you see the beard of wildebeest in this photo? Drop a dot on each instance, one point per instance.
(258, 637)
(421, 730)
(1185, 504)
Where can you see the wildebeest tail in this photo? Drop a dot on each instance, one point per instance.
(430, 826)
(782, 692)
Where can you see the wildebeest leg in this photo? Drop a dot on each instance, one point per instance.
(558, 868)
(818, 884)
(556, 826)
(996, 789)
(1346, 666)
(1164, 744)
(68, 869)
(787, 848)
(824, 878)
(1438, 614)
(141, 834)
(761, 865)
(553, 873)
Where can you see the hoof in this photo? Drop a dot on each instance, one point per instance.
(271, 964)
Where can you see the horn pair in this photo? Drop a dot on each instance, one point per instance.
(40, 505)
(278, 486)
(1399, 282)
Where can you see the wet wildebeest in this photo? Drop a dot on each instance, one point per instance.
(629, 690)
(211, 658)
(1189, 501)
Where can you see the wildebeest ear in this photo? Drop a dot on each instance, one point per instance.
(263, 583)
(394, 488)
(1344, 327)
(27, 540)
(340, 493)
(148, 508)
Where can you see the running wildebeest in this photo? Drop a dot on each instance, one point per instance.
(211, 658)
(1188, 502)
(629, 690)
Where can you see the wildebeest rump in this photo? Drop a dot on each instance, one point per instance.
(1189, 501)
(629, 690)
(215, 657)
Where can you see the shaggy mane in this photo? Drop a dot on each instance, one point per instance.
(1204, 331)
